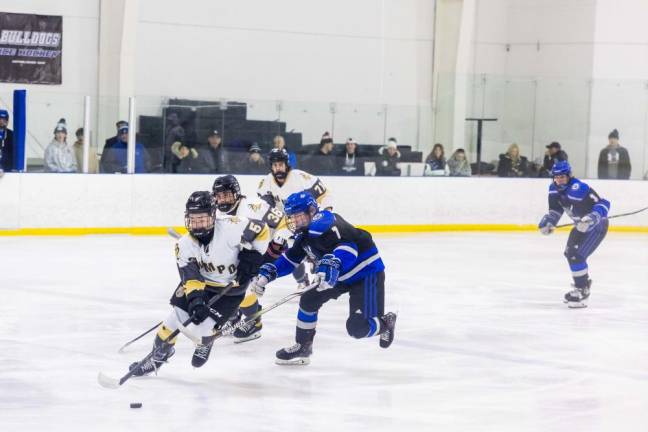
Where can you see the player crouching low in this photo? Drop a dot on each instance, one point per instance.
(589, 212)
(215, 253)
(347, 261)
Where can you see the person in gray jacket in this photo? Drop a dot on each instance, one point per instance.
(59, 156)
(458, 164)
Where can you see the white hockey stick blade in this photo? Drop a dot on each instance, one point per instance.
(107, 382)
(173, 233)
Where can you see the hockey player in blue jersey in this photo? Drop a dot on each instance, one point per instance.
(589, 211)
(347, 261)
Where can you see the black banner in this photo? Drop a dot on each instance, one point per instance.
(30, 48)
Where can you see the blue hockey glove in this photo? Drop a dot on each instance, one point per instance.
(588, 222)
(328, 271)
(548, 222)
(267, 273)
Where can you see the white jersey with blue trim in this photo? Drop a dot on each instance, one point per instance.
(296, 181)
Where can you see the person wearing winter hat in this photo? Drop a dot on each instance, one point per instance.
(59, 156)
(387, 163)
(115, 159)
(322, 162)
(6, 143)
(614, 160)
(254, 163)
(349, 161)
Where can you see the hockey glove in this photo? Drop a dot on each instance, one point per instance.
(267, 273)
(328, 271)
(588, 222)
(198, 309)
(547, 224)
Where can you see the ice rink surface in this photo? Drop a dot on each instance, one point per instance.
(483, 343)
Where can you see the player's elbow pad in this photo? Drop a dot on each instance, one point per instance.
(249, 263)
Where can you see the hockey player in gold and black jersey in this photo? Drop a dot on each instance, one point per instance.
(216, 252)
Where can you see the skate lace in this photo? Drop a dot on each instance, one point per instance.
(202, 351)
(294, 348)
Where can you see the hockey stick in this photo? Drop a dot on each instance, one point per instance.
(219, 333)
(121, 350)
(113, 383)
(173, 233)
(609, 217)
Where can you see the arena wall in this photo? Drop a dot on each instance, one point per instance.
(51, 204)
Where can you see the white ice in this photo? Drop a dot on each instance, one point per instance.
(483, 343)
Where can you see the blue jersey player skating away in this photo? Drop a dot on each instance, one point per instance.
(589, 212)
(347, 261)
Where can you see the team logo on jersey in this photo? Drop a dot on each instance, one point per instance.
(177, 251)
(261, 183)
(255, 207)
(305, 176)
(234, 219)
(575, 186)
(317, 217)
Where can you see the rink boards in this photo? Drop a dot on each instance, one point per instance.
(50, 204)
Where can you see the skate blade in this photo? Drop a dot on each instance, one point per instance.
(300, 361)
(252, 337)
(577, 305)
(107, 382)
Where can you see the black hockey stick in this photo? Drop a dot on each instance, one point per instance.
(113, 383)
(121, 350)
(609, 217)
(219, 333)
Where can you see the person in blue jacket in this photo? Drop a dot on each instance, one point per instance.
(114, 159)
(589, 211)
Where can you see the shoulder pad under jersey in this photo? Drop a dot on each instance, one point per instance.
(322, 222)
(577, 190)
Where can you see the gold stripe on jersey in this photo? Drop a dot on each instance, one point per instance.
(283, 224)
(264, 235)
(249, 300)
(164, 333)
(215, 284)
(193, 285)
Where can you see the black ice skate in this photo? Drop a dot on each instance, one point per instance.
(162, 353)
(228, 327)
(248, 332)
(201, 355)
(297, 354)
(387, 336)
(577, 298)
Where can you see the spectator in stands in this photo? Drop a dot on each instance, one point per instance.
(435, 163)
(322, 162)
(115, 159)
(173, 132)
(614, 160)
(512, 164)
(554, 153)
(189, 161)
(458, 164)
(387, 162)
(349, 160)
(59, 156)
(113, 140)
(254, 163)
(215, 155)
(78, 153)
(280, 143)
(6, 143)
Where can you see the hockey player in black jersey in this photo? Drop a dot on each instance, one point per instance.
(347, 261)
(589, 211)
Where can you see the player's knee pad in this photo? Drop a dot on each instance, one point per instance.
(573, 255)
(311, 300)
(357, 326)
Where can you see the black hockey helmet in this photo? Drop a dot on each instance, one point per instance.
(200, 202)
(279, 155)
(227, 183)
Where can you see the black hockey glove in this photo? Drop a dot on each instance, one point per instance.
(198, 309)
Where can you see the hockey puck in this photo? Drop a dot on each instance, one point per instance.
(136, 405)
